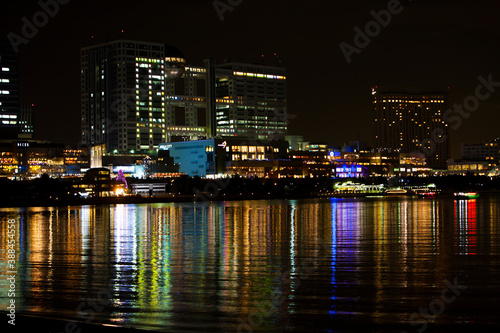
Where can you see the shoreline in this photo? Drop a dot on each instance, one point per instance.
(28, 202)
(50, 323)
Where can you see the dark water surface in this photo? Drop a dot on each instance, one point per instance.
(328, 265)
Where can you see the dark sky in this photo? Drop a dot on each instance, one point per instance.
(429, 44)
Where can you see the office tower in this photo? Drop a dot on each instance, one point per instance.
(136, 95)
(122, 95)
(412, 122)
(9, 91)
(26, 120)
(251, 101)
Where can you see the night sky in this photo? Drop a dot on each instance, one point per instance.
(429, 44)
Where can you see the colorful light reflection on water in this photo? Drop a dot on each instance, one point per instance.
(256, 265)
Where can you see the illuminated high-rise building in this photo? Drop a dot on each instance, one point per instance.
(227, 100)
(251, 101)
(412, 122)
(136, 95)
(9, 91)
(122, 95)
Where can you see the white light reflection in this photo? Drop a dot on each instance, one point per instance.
(84, 220)
(465, 227)
(292, 256)
(125, 245)
(292, 239)
(403, 220)
(333, 264)
(434, 223)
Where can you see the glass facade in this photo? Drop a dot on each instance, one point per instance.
(251, 101)
(123, 98)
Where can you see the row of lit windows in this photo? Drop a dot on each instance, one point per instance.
(194, 99)
(224, 127)
(224, 100)
(248, 149)
(406, 101)
(190, 129)
(174, 59)
(466, 167)
(196, 69)
(155, 61)
(251, 149)
(261, 76)
(244, 157)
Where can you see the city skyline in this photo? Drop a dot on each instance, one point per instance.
(422, 45)
(243, 166)
(137, 94)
